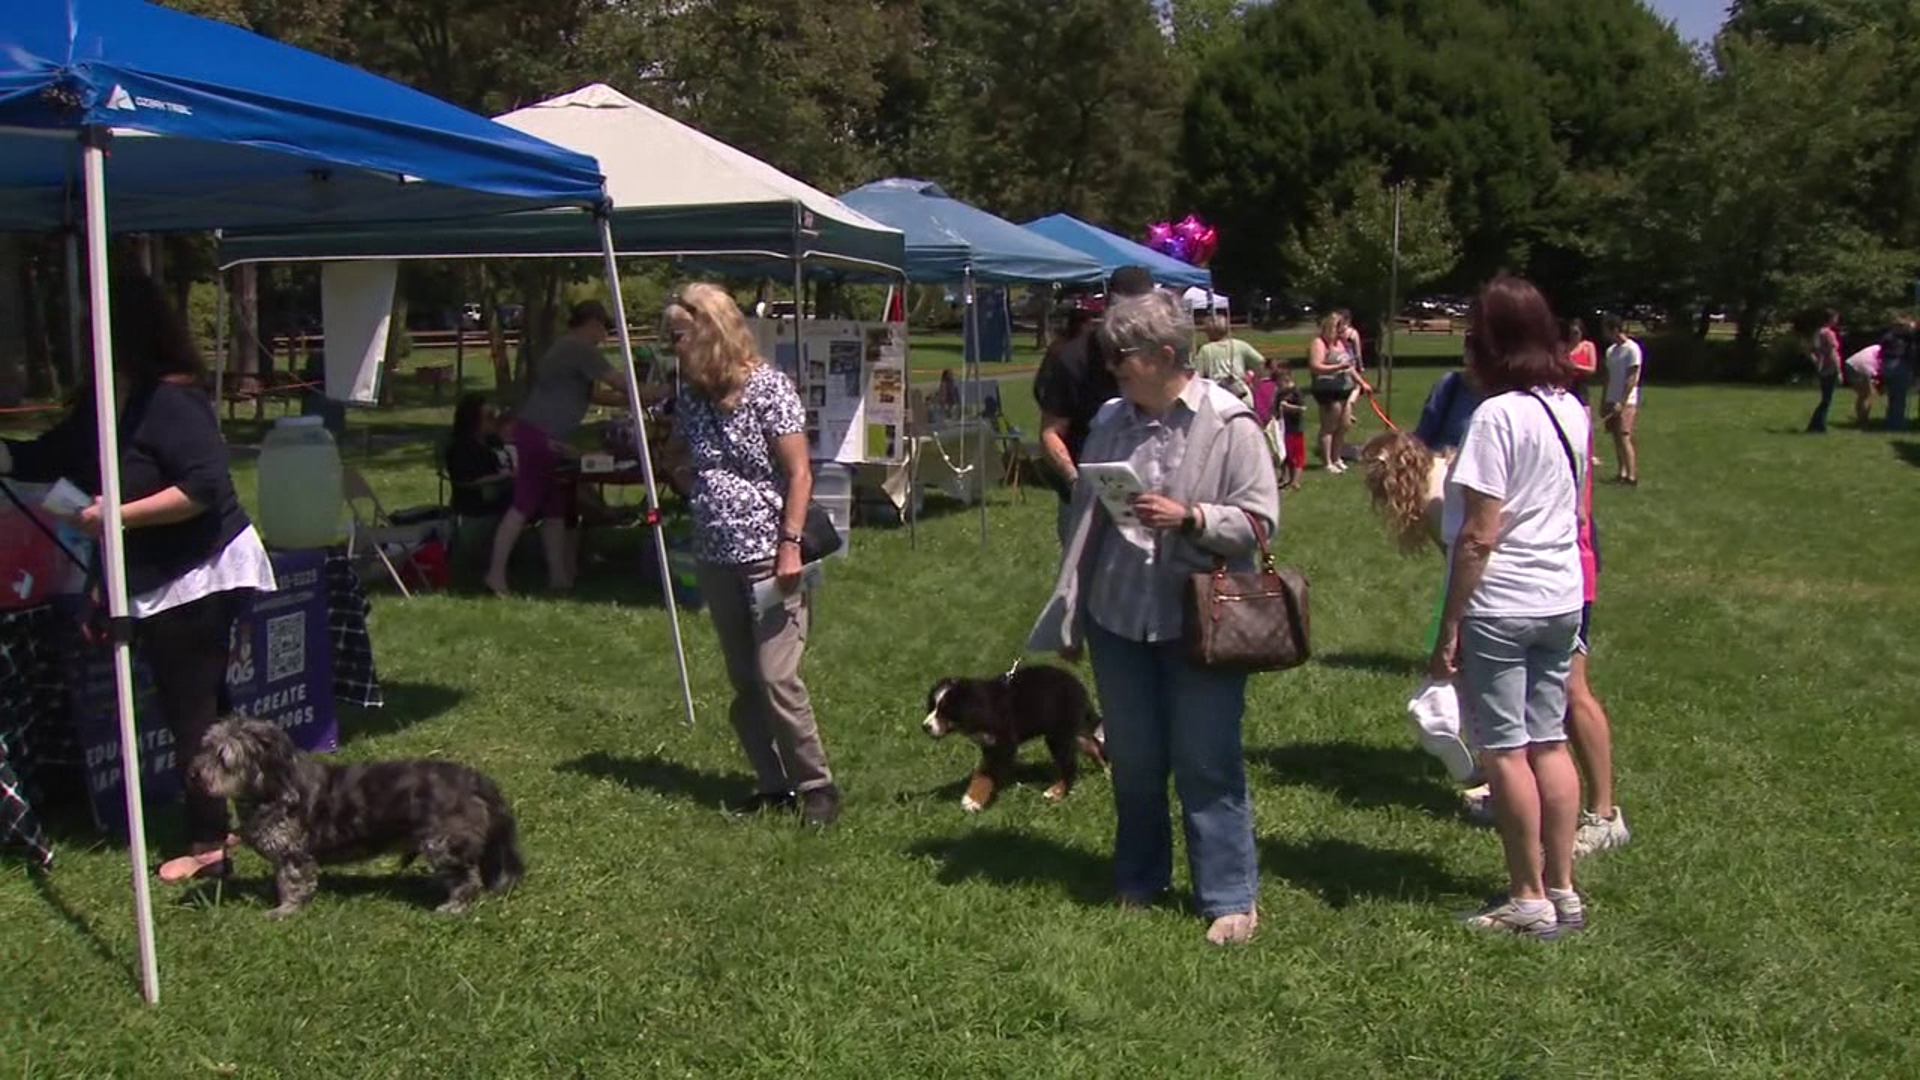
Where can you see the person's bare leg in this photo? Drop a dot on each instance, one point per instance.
(512, 523)
(1558, 801)
(1516, 810)
(1863, 406)
(1591, 737)
(1630, 457)
(1327, 420)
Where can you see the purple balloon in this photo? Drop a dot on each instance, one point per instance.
(1157, 236)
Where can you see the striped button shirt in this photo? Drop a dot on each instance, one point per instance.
(1136, 594)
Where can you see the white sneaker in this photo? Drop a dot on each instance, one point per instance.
(1597, 834)
(1508, 916)
(1570, 911)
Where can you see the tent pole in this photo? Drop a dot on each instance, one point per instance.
(460, 338)
(909, 438)
(646, 459)
(1393, 299)
(113, 548)
(970, 394)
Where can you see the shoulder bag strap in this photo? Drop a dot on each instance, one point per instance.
(1565, 443)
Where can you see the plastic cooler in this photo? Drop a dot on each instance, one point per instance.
(833, 490)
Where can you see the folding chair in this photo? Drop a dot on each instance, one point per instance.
(374, 530)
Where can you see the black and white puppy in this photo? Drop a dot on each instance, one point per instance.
(299, 812)
(1002, 713)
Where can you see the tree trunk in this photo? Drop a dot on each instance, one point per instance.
(42, 376)
(246, 321)
(13, 323)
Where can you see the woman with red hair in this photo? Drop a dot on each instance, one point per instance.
(1511, 522)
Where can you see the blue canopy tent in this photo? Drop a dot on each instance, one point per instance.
(188, 124)
(949, 243)
(1114, 251)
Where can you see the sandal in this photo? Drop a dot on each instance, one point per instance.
(210, 864)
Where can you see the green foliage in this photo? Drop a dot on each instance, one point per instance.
(1345, 253)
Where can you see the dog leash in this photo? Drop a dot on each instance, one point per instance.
(1366, 391)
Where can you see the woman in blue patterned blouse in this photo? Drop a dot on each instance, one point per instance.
(741, 450)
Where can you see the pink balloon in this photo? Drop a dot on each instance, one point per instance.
(1158, 234)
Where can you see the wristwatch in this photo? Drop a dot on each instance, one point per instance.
(790, 538)
(1191, 523)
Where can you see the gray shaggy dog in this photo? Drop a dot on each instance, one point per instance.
(299, 812)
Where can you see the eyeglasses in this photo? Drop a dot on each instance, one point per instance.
(1120, 357)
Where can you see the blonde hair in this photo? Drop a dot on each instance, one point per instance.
(1398, 468)
(719, 354)
(1332, 325)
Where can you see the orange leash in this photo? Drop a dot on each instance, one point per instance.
(1366, 389)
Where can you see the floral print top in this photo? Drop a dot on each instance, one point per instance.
(739, 491)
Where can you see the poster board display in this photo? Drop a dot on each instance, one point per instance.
(852, 379)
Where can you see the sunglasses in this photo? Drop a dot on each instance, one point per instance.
(1120, 357)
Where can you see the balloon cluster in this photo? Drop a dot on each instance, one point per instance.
(1191, 240)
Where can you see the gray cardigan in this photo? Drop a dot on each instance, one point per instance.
(1228, 469)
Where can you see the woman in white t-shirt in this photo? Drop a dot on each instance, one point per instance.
(1621, 408)
(1863, 373)
(1512, 526)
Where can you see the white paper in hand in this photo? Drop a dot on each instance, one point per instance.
(63, 499)
(767, 594)
(1116, 485)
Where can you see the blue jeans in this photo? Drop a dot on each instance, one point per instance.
(1829, 382)
(1899, 383)
(1165, 715)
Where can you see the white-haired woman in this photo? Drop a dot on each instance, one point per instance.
(740, 448)
(1208, 483)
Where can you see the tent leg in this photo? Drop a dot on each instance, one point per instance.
(646, 460)
(970, 395)
(113, 549)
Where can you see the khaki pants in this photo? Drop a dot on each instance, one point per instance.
(771, 713)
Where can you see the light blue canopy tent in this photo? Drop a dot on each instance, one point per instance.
(172, 122)
(950, 242)
(1114, 251)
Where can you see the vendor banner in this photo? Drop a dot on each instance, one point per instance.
(279, 668)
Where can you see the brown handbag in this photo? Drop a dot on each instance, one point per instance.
(1248, 622)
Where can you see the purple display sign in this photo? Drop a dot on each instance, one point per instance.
(279, 668)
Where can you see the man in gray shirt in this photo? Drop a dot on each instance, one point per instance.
(572, 376)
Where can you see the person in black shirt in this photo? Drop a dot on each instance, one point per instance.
(191, 553)
(478, 468)
(1073, 382)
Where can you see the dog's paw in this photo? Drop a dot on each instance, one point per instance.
(283, 911)
(971, 805)
(454, 907)
(1056, 793)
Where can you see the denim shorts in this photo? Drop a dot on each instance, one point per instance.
(1513, 679)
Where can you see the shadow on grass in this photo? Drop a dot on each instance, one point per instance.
(79, 922)
(1037, 774)
(1010, 859)
(407, 704)
(660, 776)
(1907, 450)
(1341, 872)
(1377, 663)
(1362, 776)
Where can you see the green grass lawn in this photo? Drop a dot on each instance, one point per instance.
(1755, 644)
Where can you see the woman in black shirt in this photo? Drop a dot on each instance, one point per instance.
(192, 555)
(478, 467)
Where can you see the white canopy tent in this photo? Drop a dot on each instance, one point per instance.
(1201, 300)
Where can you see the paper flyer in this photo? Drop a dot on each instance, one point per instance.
(885, 358)
(767, 594)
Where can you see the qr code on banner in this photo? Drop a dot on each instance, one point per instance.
(286, 646)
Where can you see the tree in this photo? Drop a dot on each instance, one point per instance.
(1523, 106)
(1345, 255)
